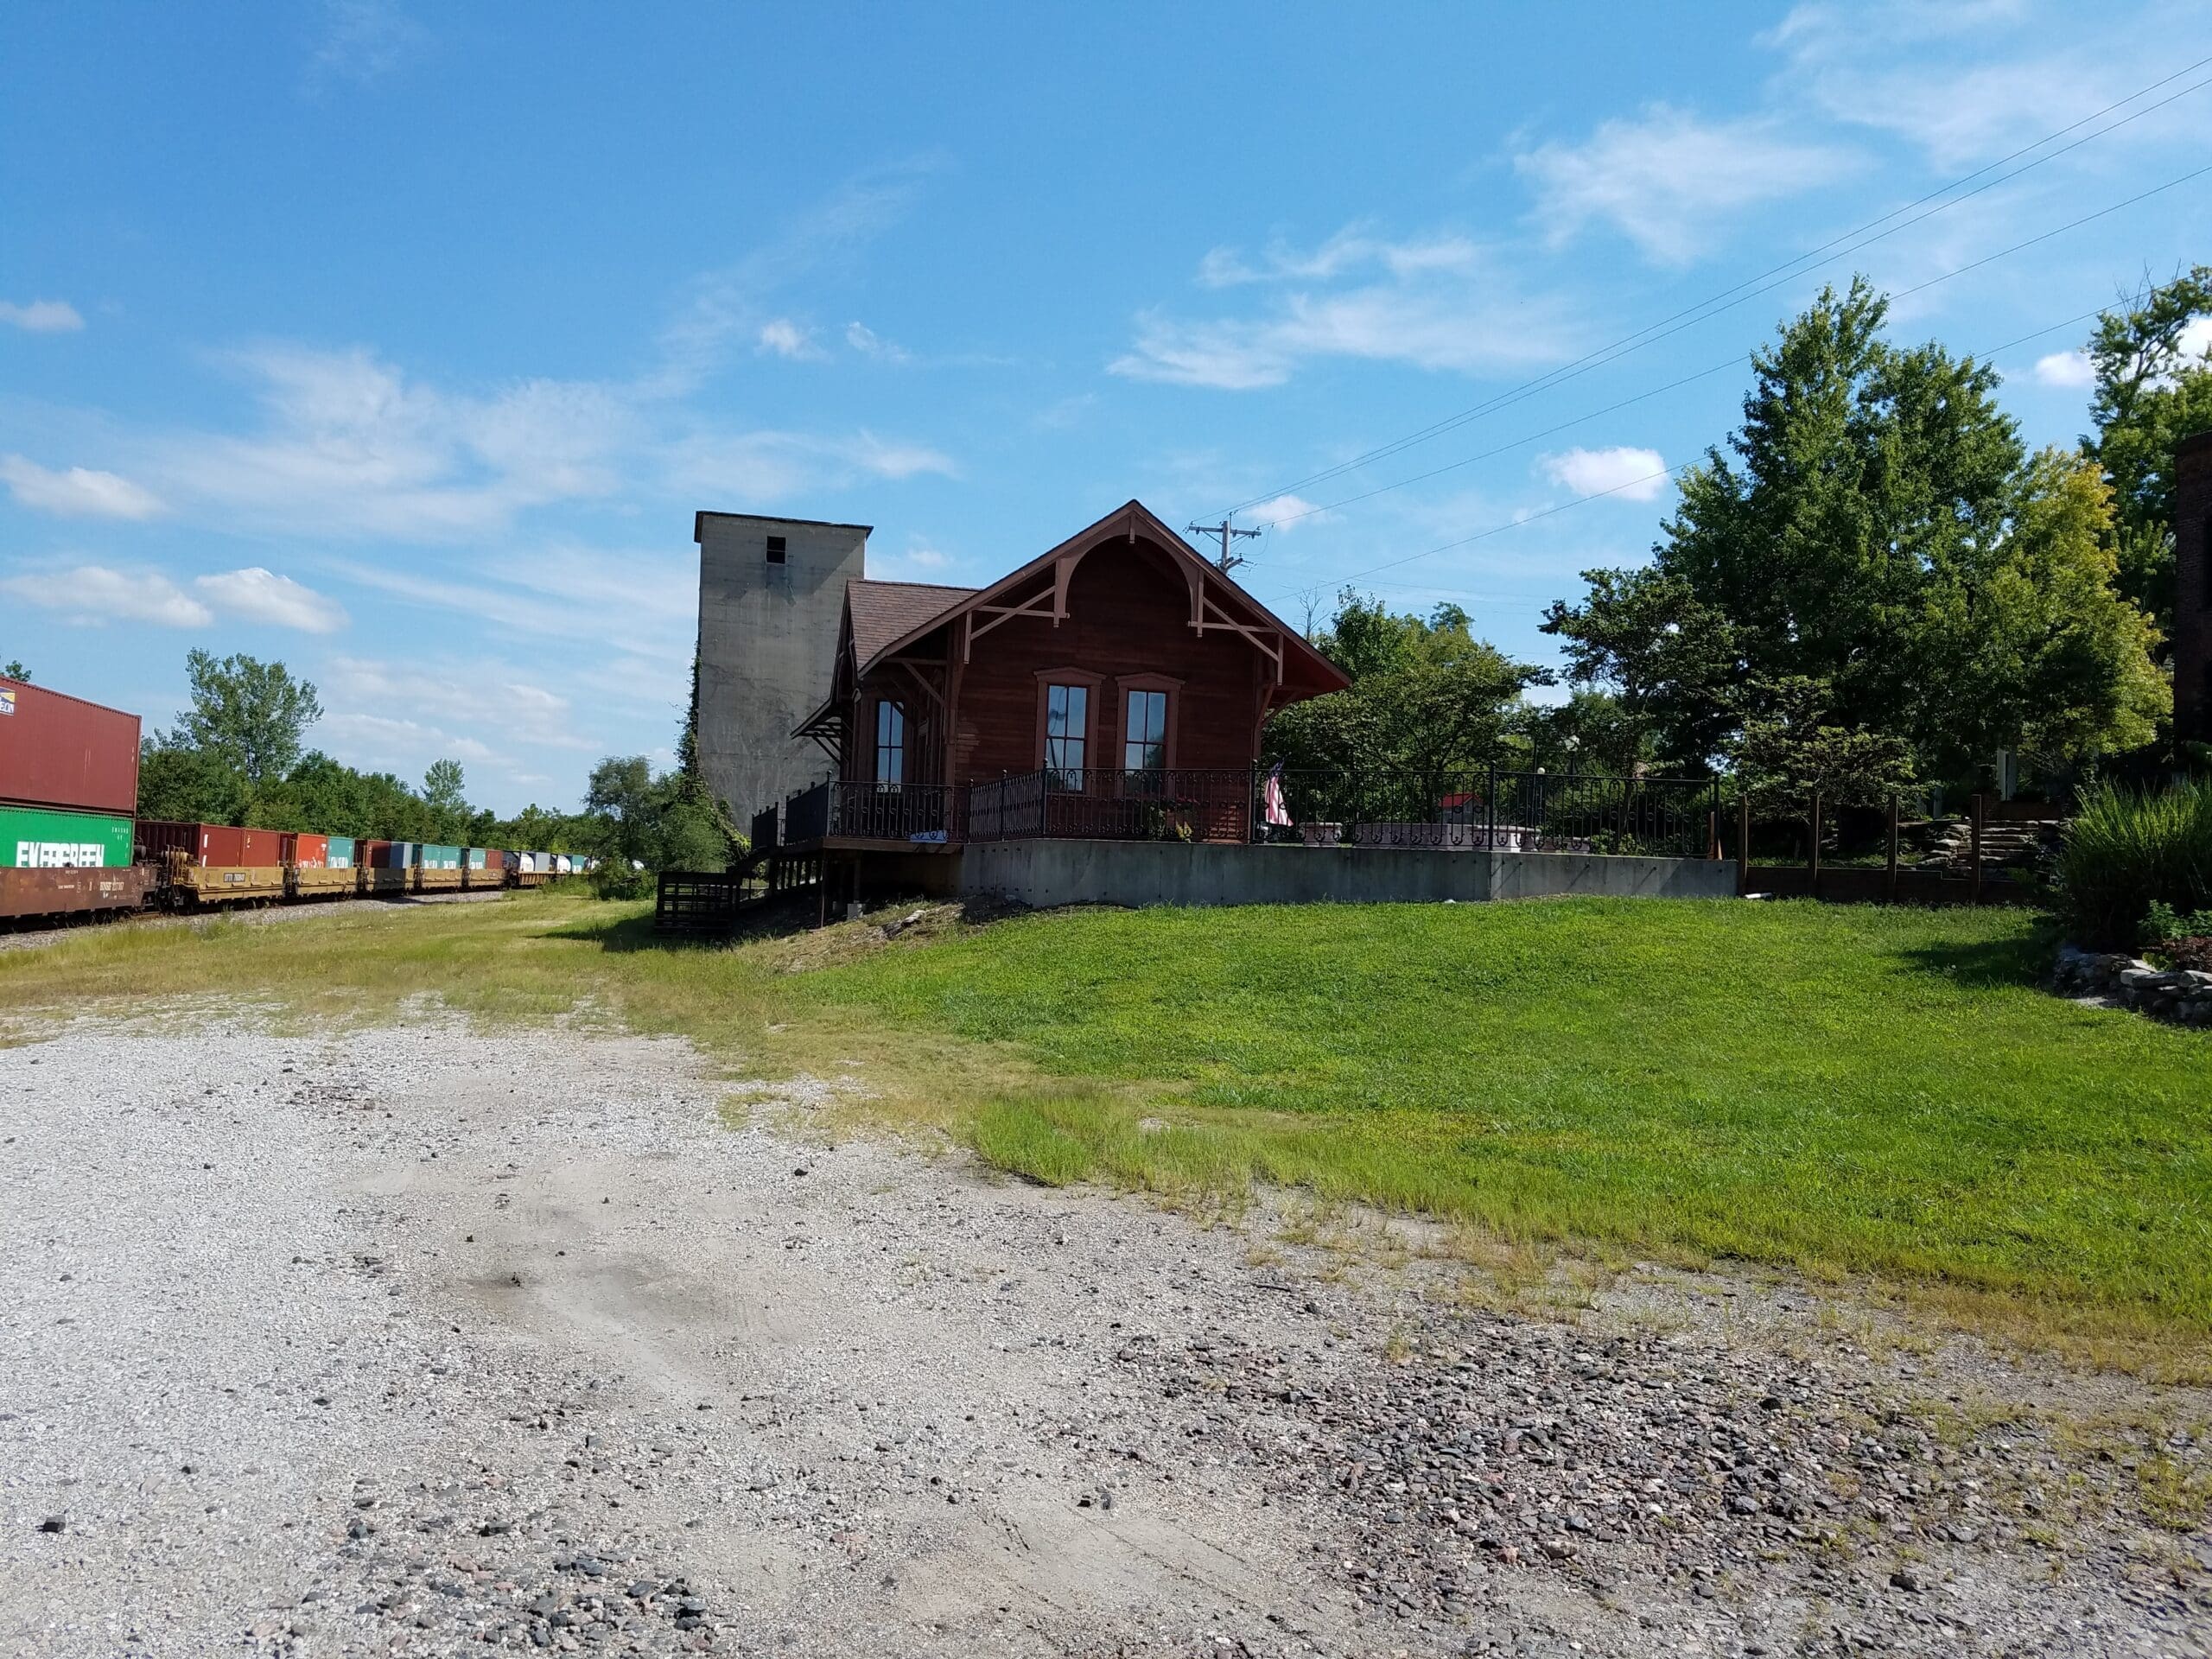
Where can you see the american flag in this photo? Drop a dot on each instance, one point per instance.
(1276, 813)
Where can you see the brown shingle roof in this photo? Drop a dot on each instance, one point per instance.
(886, 611)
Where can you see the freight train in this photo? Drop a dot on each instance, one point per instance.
(71, 849)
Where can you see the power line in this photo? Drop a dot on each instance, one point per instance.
(1944, 277)
(1675, 471)
(1787, 271)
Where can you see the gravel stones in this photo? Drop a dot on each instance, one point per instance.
(582, 1398)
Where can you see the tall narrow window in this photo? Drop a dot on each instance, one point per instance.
(1144, 733)
(775, 549)
(1067, 723)
(890, 743)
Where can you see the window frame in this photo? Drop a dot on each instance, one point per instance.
(778, 550)
(897, 711)
(1074, 679)
(1172, 689)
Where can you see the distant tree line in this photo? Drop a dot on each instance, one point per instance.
(237, 754)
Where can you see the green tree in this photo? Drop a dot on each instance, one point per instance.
(15, 670)
(251, 714)
(1671, 661)
(1794, 747)
(445, 794)
(1426, 694)
(189, 786)
(2151, 392)
(1874, 528)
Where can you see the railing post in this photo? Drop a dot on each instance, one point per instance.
(1889, 864)
(1743, 843)
(1489, 808)
(1975, 897)
(1813, 864)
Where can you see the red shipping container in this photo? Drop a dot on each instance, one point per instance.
(375, 855)
(63, 751)
(309, 852)
(217, 845)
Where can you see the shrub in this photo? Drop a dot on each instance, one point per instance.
(2126, 851)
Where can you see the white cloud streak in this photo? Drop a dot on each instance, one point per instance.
(260, 595)
(1435, 304)
(78, 492)
(41, 316)
(92, 596)
(1670, 182)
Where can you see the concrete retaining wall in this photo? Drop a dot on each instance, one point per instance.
(1048, 872)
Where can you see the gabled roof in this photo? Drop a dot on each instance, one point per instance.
(1132, 517)
(885, 611)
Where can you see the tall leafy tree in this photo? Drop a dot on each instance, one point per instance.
(249, 715)
(1426, 694)
(1875, 531)
(2153, 390)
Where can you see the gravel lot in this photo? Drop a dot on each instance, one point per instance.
(424, 1341)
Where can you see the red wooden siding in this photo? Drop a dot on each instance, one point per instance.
(1129, 614)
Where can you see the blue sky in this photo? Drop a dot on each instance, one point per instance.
(401, 342)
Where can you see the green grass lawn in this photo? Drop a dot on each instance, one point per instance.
(1840, 1091)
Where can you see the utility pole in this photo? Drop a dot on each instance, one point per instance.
(1228, 533)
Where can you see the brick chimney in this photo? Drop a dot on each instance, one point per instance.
(2193, 590)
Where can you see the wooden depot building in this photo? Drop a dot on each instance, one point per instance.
(1113, 686)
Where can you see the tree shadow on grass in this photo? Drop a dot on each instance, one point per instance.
(1987, 963)
(776, 918)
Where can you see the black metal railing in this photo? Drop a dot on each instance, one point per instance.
(806, 815)
(763, 839)
(1104, 804)
(915, 812)
(1464, 809)
(1504, 811)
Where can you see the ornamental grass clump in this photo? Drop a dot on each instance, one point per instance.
(2129, 850)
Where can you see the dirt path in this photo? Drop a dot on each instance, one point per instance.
(418, 1341)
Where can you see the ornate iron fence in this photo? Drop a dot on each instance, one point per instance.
(1106, 804)
(922, 812)
(1508, 811)
(1467, 809)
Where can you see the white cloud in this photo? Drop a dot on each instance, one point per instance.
(865, 341)
(781, 337)
(1435, 304)
(728, 307)
(1670, 182)
(1632, 474)
(41, 316)
(79, 492)
(1970, 80)
(362, 41)
(2066, 369)
(2195, 337)
(1289, 512)
(770, 466)
(261, 595)
(93, 595)
(351, 446)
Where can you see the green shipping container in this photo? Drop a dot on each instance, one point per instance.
(36, 838)
(340, 855)
(437, 858)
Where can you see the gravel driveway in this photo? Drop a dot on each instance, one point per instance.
(423, 1341)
